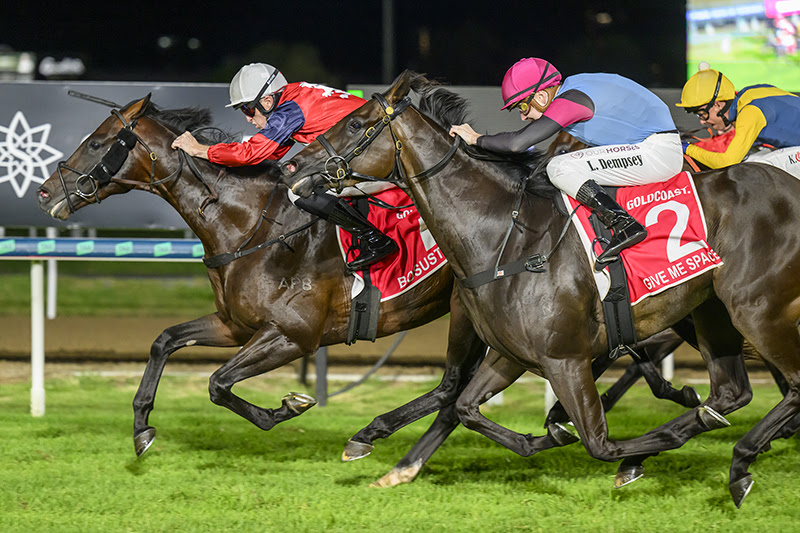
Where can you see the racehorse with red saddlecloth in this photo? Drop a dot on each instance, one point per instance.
(246, 223)
(550, 322)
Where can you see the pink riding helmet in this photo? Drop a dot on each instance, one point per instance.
(526, 77)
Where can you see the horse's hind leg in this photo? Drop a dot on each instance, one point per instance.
(209, 330)
(464, 352)
(720, 344)
(757, 441)
(269, 348)
(653, 350)
(780, 348)
(409, 466)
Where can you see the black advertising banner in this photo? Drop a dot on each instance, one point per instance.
(41, 124)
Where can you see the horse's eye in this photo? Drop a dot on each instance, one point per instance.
(354, 125)
(94, 145)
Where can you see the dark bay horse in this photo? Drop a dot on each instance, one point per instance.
(551, 322)
(274, 320)
(259, 308)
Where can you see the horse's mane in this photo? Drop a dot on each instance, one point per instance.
(189, 119)
(447, 108)
(198, 121)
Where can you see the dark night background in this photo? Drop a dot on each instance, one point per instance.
(337, 43)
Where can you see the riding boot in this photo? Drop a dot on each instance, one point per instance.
(373, 244)
(627, 231)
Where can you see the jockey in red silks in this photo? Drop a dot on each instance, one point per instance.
(631, 136)
(285, 113)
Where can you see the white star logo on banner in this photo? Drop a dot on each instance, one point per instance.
(24, 154)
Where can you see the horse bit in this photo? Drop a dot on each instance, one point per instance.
(104, 171)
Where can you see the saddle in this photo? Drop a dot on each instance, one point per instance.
(419, 257)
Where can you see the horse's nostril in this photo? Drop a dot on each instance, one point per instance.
(290, 167)
(44, 194)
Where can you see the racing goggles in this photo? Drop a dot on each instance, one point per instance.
(523, 105)
(247, 110)
(702, 112)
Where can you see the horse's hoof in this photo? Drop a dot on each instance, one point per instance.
(559, 433)
(627, 475)
(711, 419)
(398, 476)
(356, 450)
(740, 488)
(144, 440)
(691, 397)
(298, 403)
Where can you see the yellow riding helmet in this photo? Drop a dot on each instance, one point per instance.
(705, 87)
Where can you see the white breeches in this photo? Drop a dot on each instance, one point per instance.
(787, 159)
(655, 159)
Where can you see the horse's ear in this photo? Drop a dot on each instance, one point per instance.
(137, 108)
(400, 87)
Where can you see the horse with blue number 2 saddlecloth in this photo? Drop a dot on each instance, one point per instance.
(551, 322)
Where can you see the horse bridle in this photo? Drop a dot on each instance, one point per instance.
(104, 171)
(337, 166)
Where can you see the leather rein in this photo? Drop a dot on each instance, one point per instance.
(337, 167)
(88, 183)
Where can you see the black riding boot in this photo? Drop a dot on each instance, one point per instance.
(373, 244)
(627, 231)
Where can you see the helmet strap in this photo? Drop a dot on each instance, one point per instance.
(256, 102)
(723, 113)
(707, 107)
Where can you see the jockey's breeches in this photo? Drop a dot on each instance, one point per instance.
(657, 158)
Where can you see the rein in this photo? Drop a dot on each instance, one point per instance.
(534, 263)
(104, 171)
(341, 163)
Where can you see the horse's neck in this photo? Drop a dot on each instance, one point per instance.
(222, 225)
(468, 208)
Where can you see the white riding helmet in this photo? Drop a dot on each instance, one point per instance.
(254, 81)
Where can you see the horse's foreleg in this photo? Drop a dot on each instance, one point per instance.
(464, 352)
(209, 330)
(494, 375)
(653, 350)
(268, 349)
(661, 388)
(557, 414)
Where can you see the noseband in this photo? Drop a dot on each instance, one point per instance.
(104, 171)
(337, 167)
